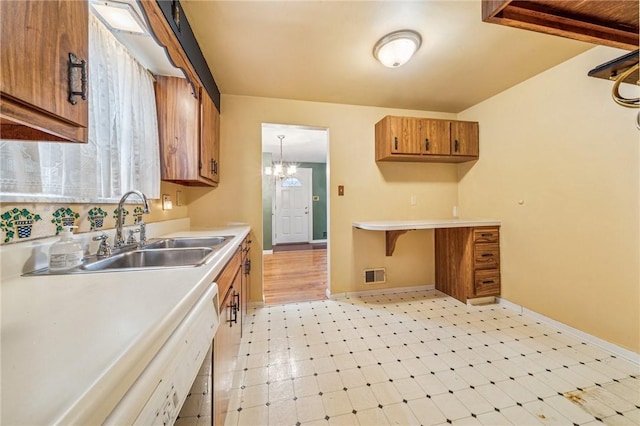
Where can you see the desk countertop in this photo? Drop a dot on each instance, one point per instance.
(405, 225)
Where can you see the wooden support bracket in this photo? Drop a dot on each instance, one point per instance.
(391, 238)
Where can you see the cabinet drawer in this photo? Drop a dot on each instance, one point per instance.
(487, 282)
(486, 256)
(486, 235)
(228, 274)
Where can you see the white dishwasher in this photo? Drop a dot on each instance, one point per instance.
(158, 394)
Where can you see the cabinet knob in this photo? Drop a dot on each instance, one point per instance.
(396, 142)
(456, 145)
(426, 144)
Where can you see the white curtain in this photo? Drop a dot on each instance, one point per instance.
(123, 150)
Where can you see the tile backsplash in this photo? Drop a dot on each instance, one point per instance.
(22, 221)
(29, 221)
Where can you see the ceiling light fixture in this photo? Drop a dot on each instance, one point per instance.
(281, 169)
(119, 17)
(396, 48)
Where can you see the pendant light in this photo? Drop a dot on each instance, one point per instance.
(281, 169)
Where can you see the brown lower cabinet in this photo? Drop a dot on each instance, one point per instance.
(226, 342)
(468, 262)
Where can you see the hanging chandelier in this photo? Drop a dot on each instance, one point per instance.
(281, 169)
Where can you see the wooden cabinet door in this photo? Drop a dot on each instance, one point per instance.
(209, 138)
(464, 138)
(178, 111)
(405, 135)
(226, 345)
(37, 38)
(435, 137)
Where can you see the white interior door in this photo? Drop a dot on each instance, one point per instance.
(293, 208)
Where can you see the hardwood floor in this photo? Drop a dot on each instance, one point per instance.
(294, 276)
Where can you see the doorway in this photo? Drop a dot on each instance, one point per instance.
(295, 213)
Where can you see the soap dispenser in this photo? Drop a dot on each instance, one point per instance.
(65, 254)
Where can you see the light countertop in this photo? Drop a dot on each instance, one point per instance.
(72, 345)
(406, 225)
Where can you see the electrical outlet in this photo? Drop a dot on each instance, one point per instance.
(166, 202)
(414, 200)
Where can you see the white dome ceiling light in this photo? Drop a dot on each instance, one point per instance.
(396, 48)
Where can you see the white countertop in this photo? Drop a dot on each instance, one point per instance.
(72, 345)
(407, 225)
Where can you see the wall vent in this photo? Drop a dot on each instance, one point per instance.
(375, 276)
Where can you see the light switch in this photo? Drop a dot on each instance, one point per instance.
(340, 190)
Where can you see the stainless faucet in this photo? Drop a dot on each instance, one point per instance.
(118, 240)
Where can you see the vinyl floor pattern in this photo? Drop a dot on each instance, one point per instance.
(422, 358)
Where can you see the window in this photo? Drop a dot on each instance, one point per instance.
(290, 182)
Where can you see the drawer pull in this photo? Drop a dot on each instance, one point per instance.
(74, 64)
(488, 282)
(487, 254)
(487, 235)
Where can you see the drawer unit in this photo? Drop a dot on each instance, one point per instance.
(468, 262)
(486, 262)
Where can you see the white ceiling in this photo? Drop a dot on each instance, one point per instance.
(322, 51)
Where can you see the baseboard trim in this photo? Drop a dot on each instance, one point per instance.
(317, 241)
(267, 251)
(481, 301)
(608, 346)
(346, 295)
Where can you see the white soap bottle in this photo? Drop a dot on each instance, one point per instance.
(65, 254)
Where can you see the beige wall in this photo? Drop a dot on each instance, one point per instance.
(559, 144)
(371, 191)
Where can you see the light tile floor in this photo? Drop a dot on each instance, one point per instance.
(422, 358)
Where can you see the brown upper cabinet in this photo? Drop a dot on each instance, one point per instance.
(426, 140)
(608, 22)
(188, 119)
(209, 138)
(188, 125)
(43, 76)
